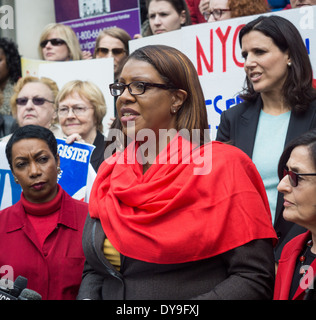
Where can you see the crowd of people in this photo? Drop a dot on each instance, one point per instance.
(171, 214)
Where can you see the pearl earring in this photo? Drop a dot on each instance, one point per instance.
(289, 63)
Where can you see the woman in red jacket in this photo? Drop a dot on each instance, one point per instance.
(41, 234)
(297, 265)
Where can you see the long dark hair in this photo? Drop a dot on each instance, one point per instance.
(298, 89)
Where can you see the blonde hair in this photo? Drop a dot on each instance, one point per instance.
(30, 79)
(89, 91)
(65, 33)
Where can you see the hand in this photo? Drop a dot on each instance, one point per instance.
(111, 122)
(204, 5)
(74, 137)
(86, 55)
(137, 36)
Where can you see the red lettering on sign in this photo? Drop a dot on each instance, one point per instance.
(238, 64)
(200, 54)
(223, 38)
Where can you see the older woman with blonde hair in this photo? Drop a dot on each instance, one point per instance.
(58, 42)
(81, 109)
(33, 102)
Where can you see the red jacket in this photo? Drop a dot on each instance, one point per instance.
(286, 268)
(54, 273)
(196, 15)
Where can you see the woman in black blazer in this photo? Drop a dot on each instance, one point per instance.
(279, 100)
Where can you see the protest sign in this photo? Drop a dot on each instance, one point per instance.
(87, 18)
(74, 165)
(215, 52)
(30, 67)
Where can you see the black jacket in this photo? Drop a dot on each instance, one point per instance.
(238, 125)
(7, 125)
(97, 156)
(246, 272)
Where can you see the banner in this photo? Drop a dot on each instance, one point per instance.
(88, 17)
(74, 165)
(214, 50)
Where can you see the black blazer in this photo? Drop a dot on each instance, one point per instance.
(238, 125)
(97, 156)
(226, 276)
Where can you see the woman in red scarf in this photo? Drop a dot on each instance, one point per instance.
(41, 234)
(297, 173)
(173, 215)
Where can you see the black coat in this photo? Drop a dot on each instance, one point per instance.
(97, 156)
(238, 125)
(246, 272)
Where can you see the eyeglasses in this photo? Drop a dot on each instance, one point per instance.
(54, 42)
(78, 110)
(135, 88)
(105, 51)
(217, 13)
(37, 101)
(293, 176)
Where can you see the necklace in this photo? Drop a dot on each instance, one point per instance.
(302, 259)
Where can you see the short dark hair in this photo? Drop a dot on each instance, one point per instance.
(307, 139)
(30, 132)
(298, 88)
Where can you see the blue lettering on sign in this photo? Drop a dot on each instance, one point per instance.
(307, 44)
(228, 103)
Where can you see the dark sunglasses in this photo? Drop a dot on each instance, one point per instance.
(293, 176)
(105, 51)
(37, 101)
(54, 42)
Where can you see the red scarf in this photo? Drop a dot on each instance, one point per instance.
(171, 215)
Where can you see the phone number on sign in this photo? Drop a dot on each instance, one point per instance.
(88, 34)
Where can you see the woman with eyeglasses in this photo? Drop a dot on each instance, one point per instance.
(226, 9)
(297, 173)
(279, 104)
(33, 102)
(112, 42)
(81, 108)
(171, 215)
(58, 42)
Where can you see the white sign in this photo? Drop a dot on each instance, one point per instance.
(214, 50)
(98, 71)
